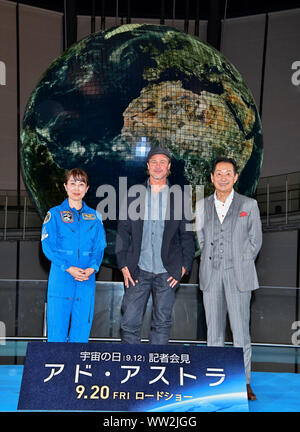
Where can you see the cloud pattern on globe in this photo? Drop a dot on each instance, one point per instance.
(105, 101)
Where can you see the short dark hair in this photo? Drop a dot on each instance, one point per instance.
(78, 175)
(224, 159)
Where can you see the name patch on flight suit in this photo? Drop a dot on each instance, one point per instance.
(67, 216)
(88, 216)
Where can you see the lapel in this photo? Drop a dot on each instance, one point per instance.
(169, 210)
(139, 223)
(210, 208)
(169, 218)
(209, 212)
(236, 204)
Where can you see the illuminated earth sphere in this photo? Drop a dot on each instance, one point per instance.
(104, 102)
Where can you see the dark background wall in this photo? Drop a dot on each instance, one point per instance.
(261, 38)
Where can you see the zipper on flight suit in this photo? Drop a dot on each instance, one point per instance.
(78, 216)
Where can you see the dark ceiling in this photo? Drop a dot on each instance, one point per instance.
(184, 9)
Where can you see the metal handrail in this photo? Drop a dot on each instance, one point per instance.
(265, 194)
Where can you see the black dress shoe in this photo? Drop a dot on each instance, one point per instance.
(250, 394)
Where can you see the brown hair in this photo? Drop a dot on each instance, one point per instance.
(78, 175)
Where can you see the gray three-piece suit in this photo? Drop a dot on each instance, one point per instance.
(227, 270)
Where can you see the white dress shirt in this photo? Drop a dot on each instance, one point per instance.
(222, 208)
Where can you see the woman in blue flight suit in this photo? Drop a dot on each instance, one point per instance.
(73, 239)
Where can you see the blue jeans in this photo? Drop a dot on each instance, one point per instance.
(134, 305)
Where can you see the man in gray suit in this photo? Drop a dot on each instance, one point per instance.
(230, 237)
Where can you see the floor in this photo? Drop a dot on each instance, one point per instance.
(275, 379)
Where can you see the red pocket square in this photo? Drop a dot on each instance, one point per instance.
(243, 213)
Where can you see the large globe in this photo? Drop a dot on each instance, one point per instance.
(112, 96)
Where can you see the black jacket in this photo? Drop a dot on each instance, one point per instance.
(178, 246)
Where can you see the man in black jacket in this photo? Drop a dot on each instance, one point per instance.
(153, 252)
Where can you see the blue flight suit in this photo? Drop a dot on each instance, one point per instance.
(71, 238)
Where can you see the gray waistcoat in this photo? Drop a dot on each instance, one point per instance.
(222, 246)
